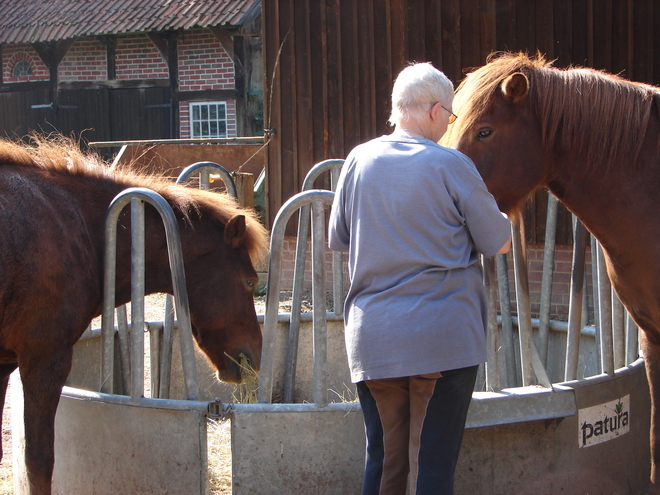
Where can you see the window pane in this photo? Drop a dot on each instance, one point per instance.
(205, 112)
(221, 112)
(195, 110)
(222, 128)
(213, 112)
(205, 129)
(196, 129)
(214, 128)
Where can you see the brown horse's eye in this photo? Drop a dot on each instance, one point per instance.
(250, 284)
(484, 133)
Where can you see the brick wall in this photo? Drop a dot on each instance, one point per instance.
(203, 65)
(136, 57)
(12, 54)
(560, 282)
(203, 62)
(85, 61)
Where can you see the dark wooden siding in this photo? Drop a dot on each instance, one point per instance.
(330, 64)
(99, 114)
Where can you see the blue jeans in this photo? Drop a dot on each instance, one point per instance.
(414, 427)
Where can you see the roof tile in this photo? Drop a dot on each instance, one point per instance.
(29, 21)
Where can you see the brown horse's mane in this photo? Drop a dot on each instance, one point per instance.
(63, 155)
(599, 115)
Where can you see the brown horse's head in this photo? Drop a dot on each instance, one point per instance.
(221, 243)
(498, 131)
(221, 280)
(525, 124)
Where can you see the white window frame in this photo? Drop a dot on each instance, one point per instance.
(203, 123)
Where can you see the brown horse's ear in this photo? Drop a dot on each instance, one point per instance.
(515, 87)
(235, 231)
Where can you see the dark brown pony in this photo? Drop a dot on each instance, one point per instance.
(593, 139)
(53, 201)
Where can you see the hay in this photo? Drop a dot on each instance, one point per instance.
(247, 391)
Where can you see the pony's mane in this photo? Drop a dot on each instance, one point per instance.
(61, 154)
(601, 116)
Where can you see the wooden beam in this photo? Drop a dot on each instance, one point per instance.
(160, 43)
(113, 84)
(208, 95)
(110, 43)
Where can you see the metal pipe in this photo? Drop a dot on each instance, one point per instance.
(296, 303)
(507, 325)
(632, 340)
(492, 364)
(137, 297)
(575, 302)
(320, 351)
(546, 280)
(166, 350)
(124, 347)
(273, 286)
(605, 315)
(618, 332)
(596, 292)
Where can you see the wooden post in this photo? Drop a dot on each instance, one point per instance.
(244, 188)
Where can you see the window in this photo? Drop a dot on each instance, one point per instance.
(208, 119)
(22, 69)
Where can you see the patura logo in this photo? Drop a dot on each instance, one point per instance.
(604, 422)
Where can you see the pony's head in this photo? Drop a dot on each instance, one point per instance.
(520, 119)
(225, 243)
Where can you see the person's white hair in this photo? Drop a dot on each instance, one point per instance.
(416, 88)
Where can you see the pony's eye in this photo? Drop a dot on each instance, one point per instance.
(484, 133)
(250, 283)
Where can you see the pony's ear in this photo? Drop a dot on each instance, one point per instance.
(235, 231)
(515, 87)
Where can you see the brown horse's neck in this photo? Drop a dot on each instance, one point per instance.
(93, 196)
(621, 208)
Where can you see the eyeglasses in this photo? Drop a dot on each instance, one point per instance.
(452, 115)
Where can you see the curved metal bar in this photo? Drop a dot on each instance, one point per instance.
(272, 294)
(178, 282)
(334, 166)
(202, 168)
(575, 301)
(493, 382)
(507, 324)
(605, 315)
(546, 280)
(618, 332)
(632, 340)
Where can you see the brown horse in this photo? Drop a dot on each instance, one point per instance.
(53, 201)
(593, 139)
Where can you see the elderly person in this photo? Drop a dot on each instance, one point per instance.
(414, 216)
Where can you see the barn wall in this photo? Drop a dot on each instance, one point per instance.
(132, 106)
(329, 64)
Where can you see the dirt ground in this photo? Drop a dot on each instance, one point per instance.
(219, 438)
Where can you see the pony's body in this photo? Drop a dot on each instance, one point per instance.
(52, 212)
(593, 140)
